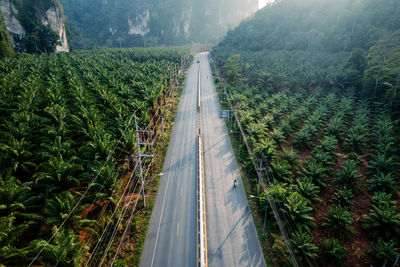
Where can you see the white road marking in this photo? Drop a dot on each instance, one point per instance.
(177, 229)
(162, 212)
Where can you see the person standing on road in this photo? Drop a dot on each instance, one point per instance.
(234, 183)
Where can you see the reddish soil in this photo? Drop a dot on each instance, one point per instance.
(359, 243)
(289, 141)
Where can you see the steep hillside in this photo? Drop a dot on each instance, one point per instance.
(6, 48)
(35, 26)
(152, 22)
(344, 43)
(314, 85)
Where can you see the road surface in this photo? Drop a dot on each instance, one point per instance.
(231, 234)
(232, 237)
(171, 237)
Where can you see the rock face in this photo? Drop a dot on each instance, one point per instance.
(149, 22)
(52, 18)
(141, 24)
(14, 27)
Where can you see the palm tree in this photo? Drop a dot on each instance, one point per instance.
(278, 136)
(381, 163)
(64, 250)
(303, 140)
(339, 221)
(382, 221)
(291, 157)
(307, 189)
(384, 251)
(316, 172)
(16, 158)
(16, 198)
(281, 170)
(303, 244)
(58, 208)
(299, 211)
(343, 197)
(348, 176)
(9, 237)
(382, 183)
(355, 142)
(333, 249)
(57, 174)
(328, 145)
(335, 128)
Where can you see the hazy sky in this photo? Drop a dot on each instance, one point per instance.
(262, 3)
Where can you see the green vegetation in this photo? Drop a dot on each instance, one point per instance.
(127, 23)
(66, 129)
(39, 38)
(6, 48)
(315, 88)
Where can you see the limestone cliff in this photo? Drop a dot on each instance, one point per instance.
(152, 22)
(22, 17)
(6, 48)
(54, 18)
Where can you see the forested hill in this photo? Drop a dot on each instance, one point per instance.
(314, 85)
(6, 48)
(355, 43)
(34, 26)
(127, 23)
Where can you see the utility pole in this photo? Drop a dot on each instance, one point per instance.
(162, 130)
(231, 112)
(260, 169)
(140, 155)
(240, 144)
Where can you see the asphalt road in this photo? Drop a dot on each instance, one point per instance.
(171, 238)
(231, 235)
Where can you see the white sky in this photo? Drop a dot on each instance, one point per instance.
(262, 3)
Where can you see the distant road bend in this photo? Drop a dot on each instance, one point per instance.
(231, 235)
